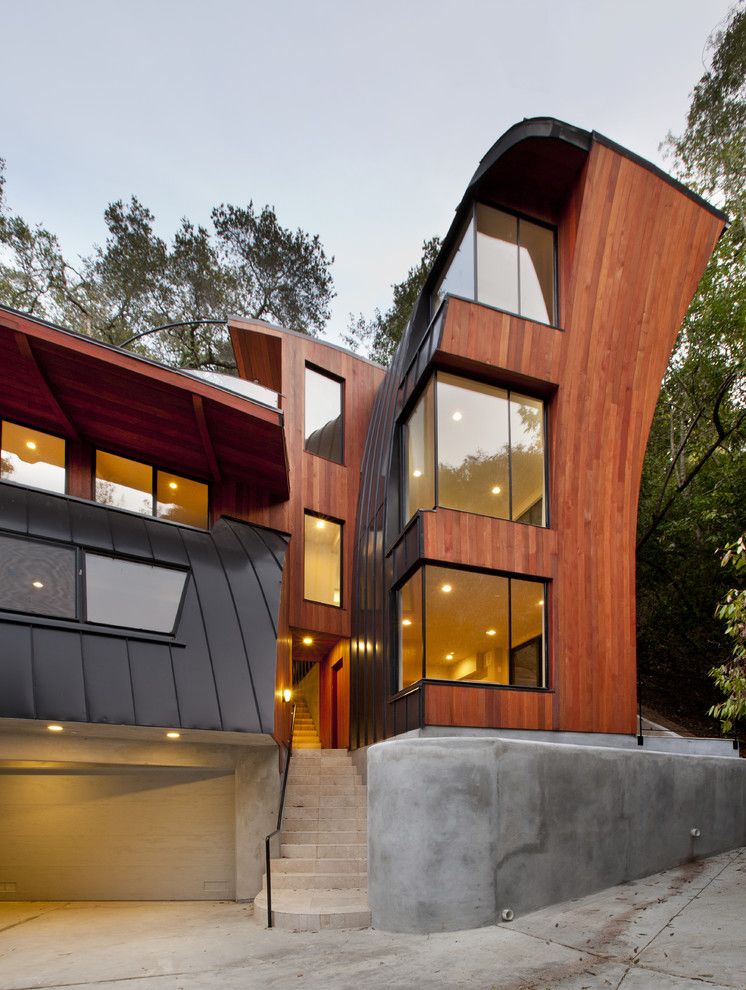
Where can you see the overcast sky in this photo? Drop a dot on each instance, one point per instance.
(361, 122)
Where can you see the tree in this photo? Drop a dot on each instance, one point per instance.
(695, 465)
(250, 266)
(379, 336)
(730, 677)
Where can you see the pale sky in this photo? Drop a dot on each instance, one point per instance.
(361, 122)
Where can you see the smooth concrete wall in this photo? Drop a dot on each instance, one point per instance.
(460, 829)
(257, 801)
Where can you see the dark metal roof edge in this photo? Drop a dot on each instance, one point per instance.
(181, 372)
(305, 336)
(661, 174)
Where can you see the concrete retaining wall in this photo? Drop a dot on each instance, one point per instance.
(461, 828)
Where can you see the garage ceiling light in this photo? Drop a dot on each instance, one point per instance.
(173, 735)
(55, 728)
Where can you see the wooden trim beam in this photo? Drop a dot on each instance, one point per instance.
(24, 346)
(204, 433)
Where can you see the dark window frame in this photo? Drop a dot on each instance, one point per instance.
(341, 523)
(50, 433)
(154, 470)
(325, 373)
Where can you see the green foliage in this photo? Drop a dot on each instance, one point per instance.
(694, 476)
(251, 266)
(379, 336)
(730, 677)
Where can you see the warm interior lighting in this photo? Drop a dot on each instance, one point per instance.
(540, 601)
(406, 622)
(173, 735)
(417, 473)
(446, 588)
(496, 489)
(492, 632)
(320, 524)
(287, 694)
(449, 656)
(173, 485)
(55, 728)
(37, 584)
(307, 641)
(31, 445)
(457, 416)
(336, 598)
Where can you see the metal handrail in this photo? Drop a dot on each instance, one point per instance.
(268, 838)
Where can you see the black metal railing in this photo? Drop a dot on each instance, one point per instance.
(268, 838)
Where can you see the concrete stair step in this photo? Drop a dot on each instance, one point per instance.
(295, 800)
(325, 817)
(321, 866)
(352, 850)
(346, 789)
(319, 881)
(308, 837)
(314, 910)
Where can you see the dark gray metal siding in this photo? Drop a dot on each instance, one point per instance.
(216, 672)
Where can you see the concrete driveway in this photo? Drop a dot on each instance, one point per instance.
(680, 930)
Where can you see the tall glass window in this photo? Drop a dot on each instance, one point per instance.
(515, 265)
(128, 484)
(490, 452)
(476, 628)
(31, 457)
(322, 560)
(324, 429)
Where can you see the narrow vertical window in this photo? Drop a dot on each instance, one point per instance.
(30, 457)
(527, 459)
(497, 259)
(322, 560)
(410, 631)
(324, 419)
(419, 455)
(458, 278)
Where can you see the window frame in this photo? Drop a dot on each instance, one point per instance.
(51, 433)
(395, 612)
(325, 373)
(341, 523)
(154, 469)
(401, 448)
(471, 218)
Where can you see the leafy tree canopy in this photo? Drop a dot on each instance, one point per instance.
(249, 265)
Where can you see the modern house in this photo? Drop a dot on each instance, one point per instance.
(441, 550)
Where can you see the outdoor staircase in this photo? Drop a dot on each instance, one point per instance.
(305, 733)
(320, 879)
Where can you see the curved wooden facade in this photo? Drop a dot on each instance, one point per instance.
(631, 247)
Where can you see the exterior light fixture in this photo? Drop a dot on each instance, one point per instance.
(492, 632)
(417, 473)
(320, 524)
(173, 735)
(31, 445)
(406, 622)
(540, 601)
(37, 584)
(55, 728)
(307, 641)
(173, 485)
(457, 416)
(496, 489)
(287, 694)
(447, 588)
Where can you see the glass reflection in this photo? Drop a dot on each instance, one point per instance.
(30, 457)
(527, 633)
(410, 631)
(123, 483)
(322, 570)
(536, 263)
(419, 456)
(323, 416)
(132, 595)
(527, 459)
(38, 578)
(497, 259)
(458, 279)
(473, 447)
(181, 499)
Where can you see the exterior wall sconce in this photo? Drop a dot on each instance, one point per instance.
(287, 694)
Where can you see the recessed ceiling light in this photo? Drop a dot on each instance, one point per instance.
(496, 489)
(37, 584)
(446, 588)
(55, 728)
(172, 484)
(449, 656)
(307, 641)
(31, 445)
(417, 473)
(173, 735)
(406, 622)
(457, 416)
(492, 632)
(320, 524)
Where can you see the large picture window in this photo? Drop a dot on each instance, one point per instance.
(322, 560)
(30, 457)
(505, 261)
(470, 626)
(490, 452)
(324, 420)
(131, 594)
(128, 484)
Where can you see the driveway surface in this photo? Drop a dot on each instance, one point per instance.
(680, 930)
